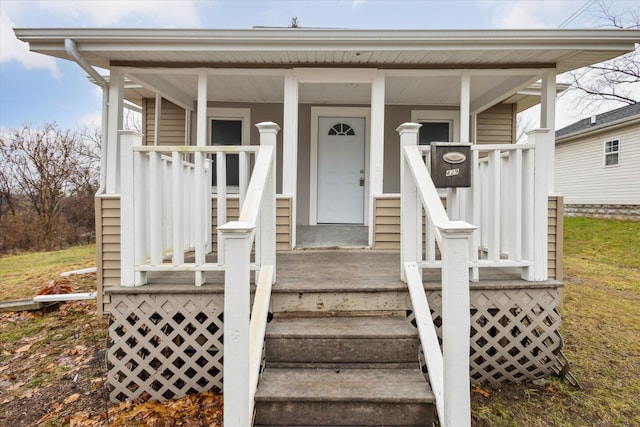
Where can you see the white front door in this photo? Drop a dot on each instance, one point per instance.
(341, 172)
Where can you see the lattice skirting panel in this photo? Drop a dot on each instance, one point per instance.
(514, 332)
(164, 346)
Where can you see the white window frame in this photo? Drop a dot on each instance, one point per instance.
(440, 116)
(242, 114)
(607, 154)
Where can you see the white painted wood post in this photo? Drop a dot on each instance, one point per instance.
(268, 133)
(544, 144)
(290, 146)
(409, 224)
(376, 146)
(115, 114)
(128, 225)
(201, 190)
(237, 236)
(456, 323)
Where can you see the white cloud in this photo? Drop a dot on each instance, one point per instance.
(102, 13)
(92, 119)
(529, 14)
(356, 3)
(13, 49)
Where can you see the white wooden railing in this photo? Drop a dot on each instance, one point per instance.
(448, 368)
(501, 202)
(161, 190)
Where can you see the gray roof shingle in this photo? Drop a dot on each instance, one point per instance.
(601, 119)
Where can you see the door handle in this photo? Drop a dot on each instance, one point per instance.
(361, 182)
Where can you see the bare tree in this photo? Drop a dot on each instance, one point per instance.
(43, 165)
(612, 80)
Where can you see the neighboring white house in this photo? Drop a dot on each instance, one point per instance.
(597, 164)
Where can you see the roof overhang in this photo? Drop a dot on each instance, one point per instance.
(286, 47)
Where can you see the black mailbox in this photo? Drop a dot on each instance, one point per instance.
(451, 164)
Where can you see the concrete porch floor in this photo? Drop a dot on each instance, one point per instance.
(347, 269)
(332, 235)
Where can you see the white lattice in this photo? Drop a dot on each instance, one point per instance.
(164, 346)
(514, 332)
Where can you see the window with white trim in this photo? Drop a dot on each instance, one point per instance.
(612, 152)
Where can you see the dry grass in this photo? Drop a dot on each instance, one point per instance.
(601, 329)
(22, 276)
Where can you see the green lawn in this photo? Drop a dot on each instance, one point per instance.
(22, 276)
(601, 330)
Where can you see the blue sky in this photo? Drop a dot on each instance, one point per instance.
(36, 89)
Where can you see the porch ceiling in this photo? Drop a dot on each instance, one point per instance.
(436, 90)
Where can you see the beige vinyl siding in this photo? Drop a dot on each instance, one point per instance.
(497, 125)
(107, 247)
(582, 178)
(386, 226)
(172, 123)
(555, 237)
(386, 229)
(283, 220)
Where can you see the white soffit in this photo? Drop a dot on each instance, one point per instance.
(284, 47)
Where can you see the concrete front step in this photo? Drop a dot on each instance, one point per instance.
(342, 370)
(343, 397)
(344, 340)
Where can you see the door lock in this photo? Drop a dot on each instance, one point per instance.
(361, 182)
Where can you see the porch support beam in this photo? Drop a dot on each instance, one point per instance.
(158, 118)
(202, 208)
(290, 146)
(116, 90)
(465, 105)
(376, 145)
(548, 120)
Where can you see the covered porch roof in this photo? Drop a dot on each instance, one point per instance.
(422, 67)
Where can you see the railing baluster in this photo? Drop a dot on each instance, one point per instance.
(178, 209)
(200, 214)
(494, 206)
(156, 193)
(517, 195)
(221, 186)
(168, 210)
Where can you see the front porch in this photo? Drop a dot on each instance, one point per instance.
(176, 328)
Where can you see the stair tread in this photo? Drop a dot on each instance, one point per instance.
(341, 327)
(370, 385)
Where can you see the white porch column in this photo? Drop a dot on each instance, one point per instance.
(116, 89)
(465, 105)
(202, 186)
(456, 322)
(290, 146)
(410, 221)
(536, 238)
(267, 229)
(376, 146)
(548, 120)
(132, 217)
(158, 118)
(237, 299)
(456, 196)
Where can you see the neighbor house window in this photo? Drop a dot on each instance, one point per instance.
(612, 153)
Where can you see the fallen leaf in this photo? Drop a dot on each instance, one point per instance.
(481, 391)
(24, 348)
(72, 398)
